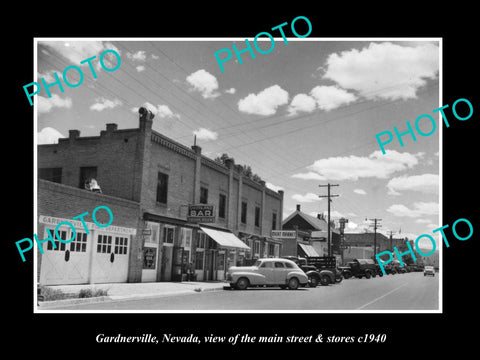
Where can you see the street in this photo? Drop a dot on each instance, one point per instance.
(410, 291)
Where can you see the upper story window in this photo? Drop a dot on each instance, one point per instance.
(274, 221)
(162, 188)
(203, 195)
(243, 216)
(222, 204)
(257, 216)
(87, 173)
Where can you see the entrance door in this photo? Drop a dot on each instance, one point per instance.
(177, 263)
(67, 263)
(110, 258)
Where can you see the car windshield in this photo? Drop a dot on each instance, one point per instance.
(257, 263)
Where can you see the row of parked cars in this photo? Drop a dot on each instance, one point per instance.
(293, 272)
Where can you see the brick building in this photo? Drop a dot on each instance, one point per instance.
(164, 177)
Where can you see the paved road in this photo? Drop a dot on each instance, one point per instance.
(411, 291)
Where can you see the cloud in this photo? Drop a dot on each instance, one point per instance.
(384, 70)
(48, 76)
(140, 68)
(138, 56)
(265, 102)
(102, 104)
(419, 209)
(331, 97)
(205, 83)
(231, 91)
(354, 167)
(44, 104)
(301, 103)
(307, 198)
(309, 176)
(48, 135)
(77, 51)
(273, 187)
(334, 214)
(422, 221)
(205, 134)
(162, 111)
(360, 191)
(426, 183)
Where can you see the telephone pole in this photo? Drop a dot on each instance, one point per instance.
(375, 226)
(328, 221)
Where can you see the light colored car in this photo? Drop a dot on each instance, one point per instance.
(267, 272)
(428, 270)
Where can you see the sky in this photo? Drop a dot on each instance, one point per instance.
(303, 115)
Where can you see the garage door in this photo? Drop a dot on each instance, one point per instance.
(65, 263)
(110, 258)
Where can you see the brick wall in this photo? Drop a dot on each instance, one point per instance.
(63, 201)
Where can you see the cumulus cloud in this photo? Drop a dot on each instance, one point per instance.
(44, 104)
(48, 135)
(138, 56)
(265, 102)
(360, 191)
(426, 183)
(205, 134)
(102, 104)
(273, 187)
(331, 97)
(140, 68)
(77, 51)
(162, 111)
(307, 198)
(231, 91)
(205, 83)
(419, 209)
(384, 70)
(301, 103)
(354, 167)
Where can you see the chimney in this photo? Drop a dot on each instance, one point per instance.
(145, 119)
(73, 134)
(298, 207)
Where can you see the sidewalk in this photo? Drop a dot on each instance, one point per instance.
(126, 291)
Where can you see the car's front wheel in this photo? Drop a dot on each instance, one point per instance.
(293, 283)
(242, 283)
(324, 279)
(313, 281)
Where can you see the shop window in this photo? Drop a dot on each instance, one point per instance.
(168, 235)
(274, 221)
(271, 250)
(162, 188)
(243, 216)
(203, 195)
(201, 237)
(121, 245)
(199, 260)
(51, 174)
(86, 174)
(79, 244)
(222, 204)
(104, 244)
(186, 237)
(256, 248)
(257, 216)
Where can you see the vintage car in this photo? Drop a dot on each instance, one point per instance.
(360, 268)
(315, 276)
(267, 272)
(428, 270)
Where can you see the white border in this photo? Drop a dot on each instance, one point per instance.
(226, 39)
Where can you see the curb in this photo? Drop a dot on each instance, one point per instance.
(76, 301)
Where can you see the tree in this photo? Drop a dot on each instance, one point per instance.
(245, 170)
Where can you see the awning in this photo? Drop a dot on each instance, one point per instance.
(225, 238)
(309, 250)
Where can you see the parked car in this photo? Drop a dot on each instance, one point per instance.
(315, 276)
(326, 263)
(428, 270)
(267, 272)
(359, 268)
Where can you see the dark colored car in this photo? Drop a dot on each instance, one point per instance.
(360, 268)
(315, 276)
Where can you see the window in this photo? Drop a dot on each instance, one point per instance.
(121, 245)
(51, 174)
(290, 265)
(201, 240)
(243, 217)
(257, 216)
(271, 249)
(168, 235)
(162, 188)
(104, 244)
(274, 221)
(203, 195)
(59, 246)
(199, 260)
(222, 204)
(86, 173)
(186, 237)
(279, 264)
(256, 247)
(267, 264)
(79, 244)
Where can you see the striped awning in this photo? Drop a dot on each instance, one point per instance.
(309, 250)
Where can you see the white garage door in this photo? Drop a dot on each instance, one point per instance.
(110, 258)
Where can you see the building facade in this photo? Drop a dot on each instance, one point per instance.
(166, 180)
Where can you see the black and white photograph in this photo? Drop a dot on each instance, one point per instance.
(202, 180)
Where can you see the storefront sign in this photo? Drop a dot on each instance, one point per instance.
(285, 234)
(201, 214)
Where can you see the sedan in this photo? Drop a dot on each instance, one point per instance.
(267, 272)
(428, 270)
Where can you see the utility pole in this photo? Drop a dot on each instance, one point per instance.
(328, 221)
(391, 240)
(375, 226)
